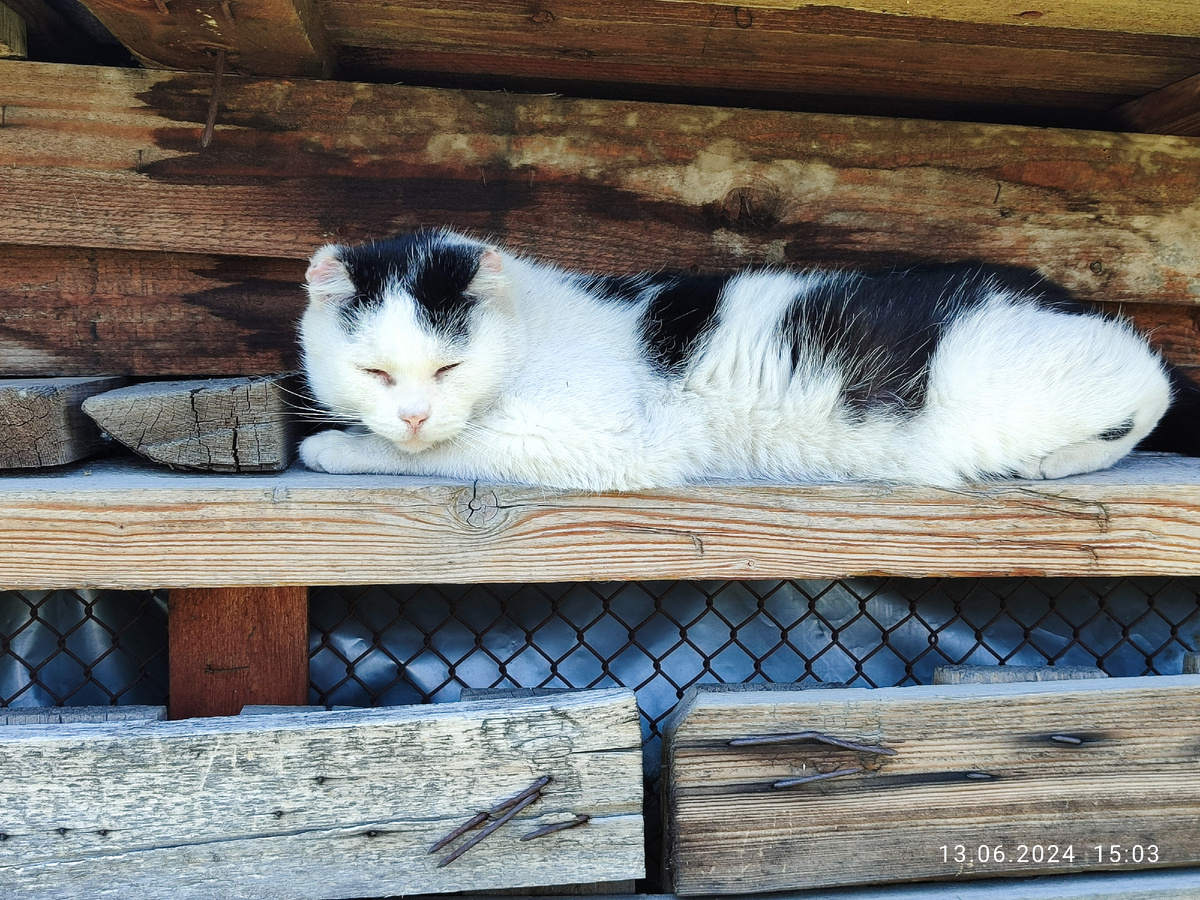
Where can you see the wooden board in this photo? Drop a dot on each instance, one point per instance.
(117, 524)
(12, 34)
(212, 425)
(1009, 674)
(41, 422)
(1174, 109)
(229, 647)
(936, 782)
(321, 805)
(110, 159)
(61, 715)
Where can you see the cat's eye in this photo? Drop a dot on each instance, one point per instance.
(380, 375)
(441, 373)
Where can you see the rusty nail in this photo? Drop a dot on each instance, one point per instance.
(479, 818)
(820, 776)
(210, 123)
(580, 819)
(1066, 739)
(496, 823)
(809, 736)
(534, 788)
(474, 822)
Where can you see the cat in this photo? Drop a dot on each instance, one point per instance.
(452, 357)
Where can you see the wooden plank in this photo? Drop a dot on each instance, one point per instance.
(41, 421)
(321, 805)
(1105, 768)
(784, 49)
(232, 647)
(258, 37)
(13, 44)
(68, 311)
(62, 715)
(211, 425)
(1191, 664)
(1174, 109)
(116, 524)
(627, 185)
(1012, 674)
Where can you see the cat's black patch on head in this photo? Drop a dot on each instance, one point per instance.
(880, 329)
(679, 308)
(431, 267)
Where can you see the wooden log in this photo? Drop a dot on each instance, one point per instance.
(130, 526)
(929, 782)
(1174, 109)
(214, 425)
(63, 715)
(233, 647)
(41, 422)
(322, 806)
(1012, 674)
(627, 185)
(13, 44)
(72, 311)
(259, 37)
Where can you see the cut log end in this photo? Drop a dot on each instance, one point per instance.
(41, 422)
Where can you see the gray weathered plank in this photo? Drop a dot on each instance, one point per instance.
(1009, 674)
(332, 805)
(61, 715)
(41, 423)
(1191, 664)
(214, 425)
(1079, 764)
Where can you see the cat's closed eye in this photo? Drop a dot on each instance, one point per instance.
(441, 373)
(381, 375)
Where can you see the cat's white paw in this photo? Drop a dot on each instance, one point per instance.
(332, 451)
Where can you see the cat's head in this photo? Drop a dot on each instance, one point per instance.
(409, 335)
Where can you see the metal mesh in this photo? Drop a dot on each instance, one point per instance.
(83, 648)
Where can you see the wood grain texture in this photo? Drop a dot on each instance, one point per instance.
(230, 647)
(108, 158)
(320, 805)
(116, 524)
(259, 37)
(62, 715)
(1083, 763)
(1174, 109)
(12, 34)
(42, 423)
(1191, 663)
(211, 425)
(1011, 674)
(976, 54)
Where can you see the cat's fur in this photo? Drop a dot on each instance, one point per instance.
(466, 361)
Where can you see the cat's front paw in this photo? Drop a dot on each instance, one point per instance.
(332, 451)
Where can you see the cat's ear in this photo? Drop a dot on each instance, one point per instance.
(327, 278)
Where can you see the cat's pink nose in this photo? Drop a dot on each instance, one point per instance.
(415, 420)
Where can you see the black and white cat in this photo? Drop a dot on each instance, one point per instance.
(463, 360)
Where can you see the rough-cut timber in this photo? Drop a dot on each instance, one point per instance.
(229, 647)
(259, 37)
(12, 34)
(816, 789)
(1010, 674)
(606, 185)
(69, 311)
(129, 525)
(62, 715)
(1191, 664)
(322, 805)
(216, 425)
(1174, 109)
(41, 422)
(979, 55)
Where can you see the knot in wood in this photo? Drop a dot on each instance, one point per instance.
(747, 210)
(477, 507)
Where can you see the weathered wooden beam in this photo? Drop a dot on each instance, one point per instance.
(258, 37)
(212, 425)
(1174, 109)
(1012, 674)
(62, 715)
(1191, 664)
(323, 805)
(626, 185)
(815, 789)
(13, 44)
(127, 525)
(42, 423)
(69, 311)
(232, 647)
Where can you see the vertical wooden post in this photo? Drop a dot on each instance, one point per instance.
(234, 646)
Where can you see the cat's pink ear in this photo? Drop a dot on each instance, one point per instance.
(327, 278)
(491, 262)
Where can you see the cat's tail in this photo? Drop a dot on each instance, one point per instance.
(1178, 431)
